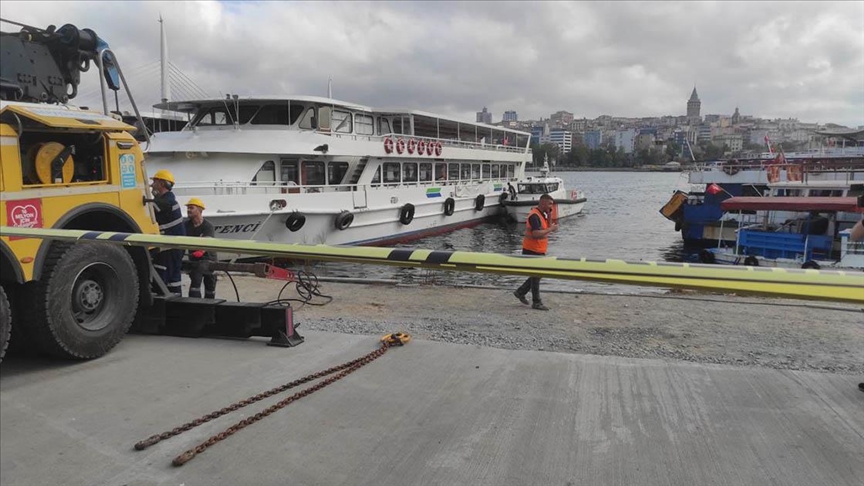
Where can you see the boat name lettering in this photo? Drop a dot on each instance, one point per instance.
(237, 228)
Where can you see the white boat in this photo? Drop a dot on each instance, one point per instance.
(527, 194)
(316, 170)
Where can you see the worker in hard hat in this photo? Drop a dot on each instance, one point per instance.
(196, 225)
(170, 221)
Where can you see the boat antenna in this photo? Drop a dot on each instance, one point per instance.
(330, 88)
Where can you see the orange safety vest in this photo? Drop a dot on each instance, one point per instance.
(537, 245)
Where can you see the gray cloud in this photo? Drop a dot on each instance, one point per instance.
(787, 59)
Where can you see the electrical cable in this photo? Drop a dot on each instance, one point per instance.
(306, 287)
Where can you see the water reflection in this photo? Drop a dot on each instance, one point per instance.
(621, 220)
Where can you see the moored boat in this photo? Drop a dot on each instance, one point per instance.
(526, 195)
(793, 232)
(316, 170)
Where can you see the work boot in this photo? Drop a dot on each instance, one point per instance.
(521, 297)
(539, 306)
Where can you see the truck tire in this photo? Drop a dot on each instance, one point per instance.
(85, 302)
(5, 322)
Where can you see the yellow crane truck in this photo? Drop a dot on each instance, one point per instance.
(64, 167)
(70, 168)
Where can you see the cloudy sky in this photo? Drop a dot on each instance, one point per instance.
(774, 59)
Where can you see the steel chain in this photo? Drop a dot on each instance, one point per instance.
(155, 439)
(191, 453)
(388, 341)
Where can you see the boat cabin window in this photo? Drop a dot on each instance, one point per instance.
(425, 172)
(211, 117)
(453, 172)
(465, 172)
(475, 171)
(409, 172)
(308, 119)
(365, 125)
(277, 115)
(399, 127)
(788, 192)
(313, 173)
(486, 171)
(324, 118)
(267, 173)
(440, 172)
(391, 172)
(511, 171)
(376, 179)
(532, 189)
(289, 172)
(341, 121)
(551, 187)
(383, 126)
(336, 172)
(496, 171)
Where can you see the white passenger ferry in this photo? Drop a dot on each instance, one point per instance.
(316, 170)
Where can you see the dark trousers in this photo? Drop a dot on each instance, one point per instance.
(532, 284)
(198, 276)
(167, 263)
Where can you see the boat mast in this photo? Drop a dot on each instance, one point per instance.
(166, 88)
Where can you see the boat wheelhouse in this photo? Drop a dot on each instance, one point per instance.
(316, 170)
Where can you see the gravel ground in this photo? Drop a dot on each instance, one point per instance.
(676, 325)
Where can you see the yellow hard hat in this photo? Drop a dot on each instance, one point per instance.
(164, 175)
(196, 202)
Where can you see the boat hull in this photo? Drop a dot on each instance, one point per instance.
(376, 225)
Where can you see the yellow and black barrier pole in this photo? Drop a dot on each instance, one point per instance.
(831, 285)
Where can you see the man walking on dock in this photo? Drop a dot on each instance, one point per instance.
(536, 242)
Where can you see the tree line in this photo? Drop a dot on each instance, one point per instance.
(610, 156)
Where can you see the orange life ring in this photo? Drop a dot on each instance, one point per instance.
(412, 146)
(421, 147)
(388, 145)
(437, 149)
(793, 173)
(773, 173)
(400, 146)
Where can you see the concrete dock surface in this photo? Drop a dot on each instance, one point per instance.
(427, 413)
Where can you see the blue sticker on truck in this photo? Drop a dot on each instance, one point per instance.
(127, 171)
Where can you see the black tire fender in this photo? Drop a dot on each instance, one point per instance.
(811, 264)
(295, 221)
(479, 202)
(406, 214)
(344, 220)
(85, 301)
(751, 261)
(706, 256)
(449, 206)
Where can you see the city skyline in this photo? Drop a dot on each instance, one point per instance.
(801, 60)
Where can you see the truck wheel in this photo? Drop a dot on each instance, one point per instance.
(85, 302)
(5, 322)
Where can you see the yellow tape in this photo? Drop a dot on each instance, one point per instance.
(835, 285)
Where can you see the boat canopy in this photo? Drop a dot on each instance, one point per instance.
(848, 204)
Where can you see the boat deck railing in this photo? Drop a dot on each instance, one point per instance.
(221, 188)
